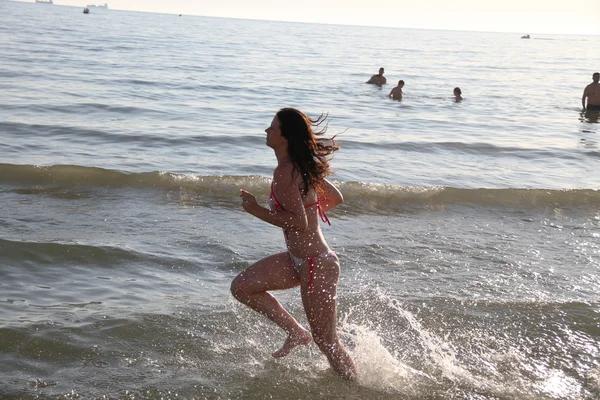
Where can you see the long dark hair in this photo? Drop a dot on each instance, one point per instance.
(309, 153)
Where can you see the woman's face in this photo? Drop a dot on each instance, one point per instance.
(274, 138)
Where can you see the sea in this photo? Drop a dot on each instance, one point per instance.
(469, 238)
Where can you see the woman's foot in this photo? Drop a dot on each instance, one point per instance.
(301, 338)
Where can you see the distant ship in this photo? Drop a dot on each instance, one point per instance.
(105, 5)
(44, 1)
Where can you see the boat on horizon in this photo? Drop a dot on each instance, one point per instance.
(105, 5)
(44, 1)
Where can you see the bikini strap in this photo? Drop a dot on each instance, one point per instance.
(322, 214)
(278, 206)
(320, 210)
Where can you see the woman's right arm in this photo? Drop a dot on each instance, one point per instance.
(293, 215)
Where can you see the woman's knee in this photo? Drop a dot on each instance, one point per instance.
(237, 288)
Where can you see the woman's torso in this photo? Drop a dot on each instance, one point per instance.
(306, 243)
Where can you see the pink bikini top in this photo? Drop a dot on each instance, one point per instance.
(276, 205)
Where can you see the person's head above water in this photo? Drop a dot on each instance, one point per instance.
(457, 91)
(596, 77)
(401, 83)
(381, 71)
(293, 132)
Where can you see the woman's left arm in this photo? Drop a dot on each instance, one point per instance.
(332, 196)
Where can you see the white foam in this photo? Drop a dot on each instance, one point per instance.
(558, 385)
(593, 380)
(381, 368)
(376, 367)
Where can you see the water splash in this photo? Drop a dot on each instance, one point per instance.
(396, 353)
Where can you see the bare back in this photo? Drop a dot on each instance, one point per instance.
(377, 80)
(396, 93)
(592, 92)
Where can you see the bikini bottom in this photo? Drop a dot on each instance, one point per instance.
(297, 262)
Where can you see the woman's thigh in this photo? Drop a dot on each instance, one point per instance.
(320, 300)
(275, 272)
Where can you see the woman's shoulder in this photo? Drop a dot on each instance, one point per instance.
(284, 173)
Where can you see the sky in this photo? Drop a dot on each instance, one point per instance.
(520, 16)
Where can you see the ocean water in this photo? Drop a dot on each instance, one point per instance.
(469, 239)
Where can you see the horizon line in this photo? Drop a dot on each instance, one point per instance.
(324, 23)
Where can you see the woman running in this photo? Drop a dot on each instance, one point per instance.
(300, 195)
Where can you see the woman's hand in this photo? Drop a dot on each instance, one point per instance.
(248, 201)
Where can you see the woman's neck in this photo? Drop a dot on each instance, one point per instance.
(282, 157)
